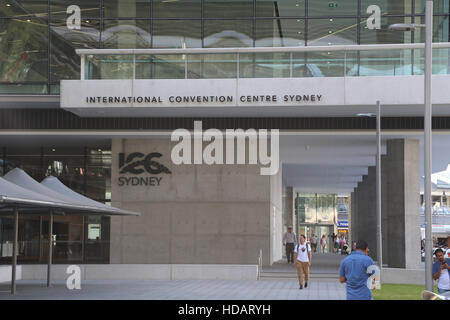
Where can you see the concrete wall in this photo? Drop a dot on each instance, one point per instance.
(145, 272)
(400, 199)
(276, 222)
(200, 214)
(401, 203)
(6, 273)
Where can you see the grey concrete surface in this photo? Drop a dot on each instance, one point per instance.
(203, 214)
(178, 290)
(322, 263)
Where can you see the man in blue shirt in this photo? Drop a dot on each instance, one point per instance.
(353, 272)
(441, 271)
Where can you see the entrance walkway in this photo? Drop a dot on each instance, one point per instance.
(278, 282)
(324, 266)
(286, 289)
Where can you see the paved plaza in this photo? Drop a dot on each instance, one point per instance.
(278, 282)
(179, 290)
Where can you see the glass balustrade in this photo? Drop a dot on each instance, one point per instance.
(226, 65)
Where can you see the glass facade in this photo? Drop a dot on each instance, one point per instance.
(38, 42)
(77, 239)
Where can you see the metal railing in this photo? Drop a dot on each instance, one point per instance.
(262, 62)
(259, 264)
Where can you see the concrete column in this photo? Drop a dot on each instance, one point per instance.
(289, 209)
(350, 211)
(401, 179)
(370, 228)
(365, 217)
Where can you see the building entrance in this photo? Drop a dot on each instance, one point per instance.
(319, 230)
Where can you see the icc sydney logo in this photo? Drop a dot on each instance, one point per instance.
(137, 163)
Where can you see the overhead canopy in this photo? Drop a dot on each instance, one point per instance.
(14, 195)
(17, 188)
(54, 184)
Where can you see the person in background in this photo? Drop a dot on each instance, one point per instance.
(323, 243)
(353, 272)
(289, 240)
(333, 241)
(441, 271)
(314, 241)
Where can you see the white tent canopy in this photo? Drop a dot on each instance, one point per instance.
(20, 192)
(53, 189)
(54, 184)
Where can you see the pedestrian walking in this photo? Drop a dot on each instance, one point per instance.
(302, 258)
(441, 271)
(289, 240)
(323, 243)
(314, 241)
(333, 241)
(353, 272)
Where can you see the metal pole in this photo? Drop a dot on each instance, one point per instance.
(83, 68)
(14, 258)
(427, 146)
(378, 185)
(50, 251)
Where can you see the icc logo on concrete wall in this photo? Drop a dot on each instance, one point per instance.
(137, 163)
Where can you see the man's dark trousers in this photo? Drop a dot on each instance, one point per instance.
(290, 252)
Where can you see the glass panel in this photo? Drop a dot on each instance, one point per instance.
(67, 165)
(23, 8)
(127, 34)
(384, 35)
(324, 64)
(97, 237)
(98, 171)
(306, 207)
(439, 6)
(174, 9)
(385, 63)
(332, 8)
(111, 67)
(65, 63)
(285, 8)
(326, 208)
(228, 33)
(29, 161)
(23, 50)
(67, 236)
(88, 8)
(54, 89)
(6, 239)
(440, 65)
(228, 8)
(327, 32)
(388, 6)
(440, 29)
(167, 67)
(177, 34)
(264, 65)
(280, 33)
(127, 8)
(213, 66)
(41, 88)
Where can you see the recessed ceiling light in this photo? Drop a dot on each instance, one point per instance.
(331, 20)
(53, 150)
(329, 31)
(365, 114)
(8, 5)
